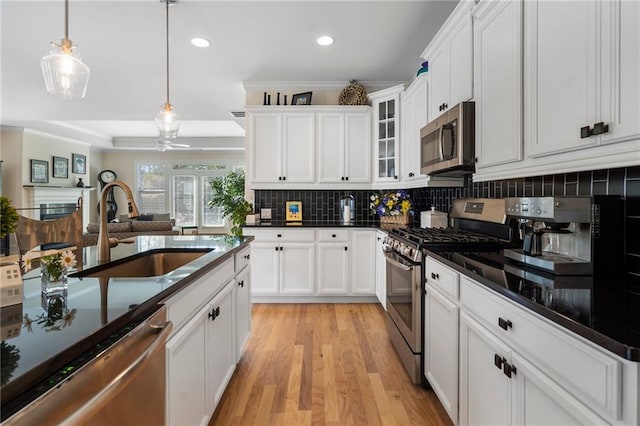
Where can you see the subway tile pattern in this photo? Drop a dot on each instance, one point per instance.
(324, 206)
(317, 206)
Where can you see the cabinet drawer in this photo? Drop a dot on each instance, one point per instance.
(279, 234)
(589, 374)
(242, 259)
(330, 235)
(183, 305)
(442, 277)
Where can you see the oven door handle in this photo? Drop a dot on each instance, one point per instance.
(398, 264)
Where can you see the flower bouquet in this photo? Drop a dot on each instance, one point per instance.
(54, 268)
(393, 208)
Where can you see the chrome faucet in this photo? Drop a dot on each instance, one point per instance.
(104, 242)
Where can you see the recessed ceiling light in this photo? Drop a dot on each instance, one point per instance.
(325, 40)
(200, 42)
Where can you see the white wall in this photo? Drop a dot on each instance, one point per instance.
(19, 146)
(11, 156)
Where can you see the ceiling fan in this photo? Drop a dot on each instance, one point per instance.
(164, 144)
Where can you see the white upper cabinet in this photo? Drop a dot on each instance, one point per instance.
(498, 82)
(414, 116)
(266, 145)
(582, 78)
(297, 147)
(344, 147)
(387, 115)
(287, 143)
(281, 147)
(450, 56)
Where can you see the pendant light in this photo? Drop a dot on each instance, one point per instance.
(64, 73)
(167, 121)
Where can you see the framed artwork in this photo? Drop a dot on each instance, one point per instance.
(60, 167)
(301, 98)
(79, 162)
(39, 171)
(294, 211)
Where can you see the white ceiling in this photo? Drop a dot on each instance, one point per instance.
(253, 42)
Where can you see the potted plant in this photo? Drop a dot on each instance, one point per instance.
(8, 221)
(228, 193)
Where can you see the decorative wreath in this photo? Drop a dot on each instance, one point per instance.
(353, 94)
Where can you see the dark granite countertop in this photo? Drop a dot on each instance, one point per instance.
(592, 307)
(304, 224)
(91, 310)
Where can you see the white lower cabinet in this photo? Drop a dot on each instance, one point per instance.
(492, 361)
(200, 361)
(381, 270)
(212, 319)
(363, 278)
(333, 268)
(441, 349)
(312, 263)
(282, 268)
(500, 387)
(265, 264)
(484, 391)
(297, 268)
(537, 400)
(243, 310)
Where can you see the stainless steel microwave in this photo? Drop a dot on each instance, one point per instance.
(447, 144)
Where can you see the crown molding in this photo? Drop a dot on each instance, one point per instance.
(315, 85)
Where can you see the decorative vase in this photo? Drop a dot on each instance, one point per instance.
(52, 282)
(80, 183)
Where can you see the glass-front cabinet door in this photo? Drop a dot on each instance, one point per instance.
(386, 123)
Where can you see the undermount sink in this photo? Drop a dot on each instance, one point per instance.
(147, 264)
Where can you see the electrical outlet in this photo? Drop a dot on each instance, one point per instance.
(265, 214)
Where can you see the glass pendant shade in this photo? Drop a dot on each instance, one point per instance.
(167, 122)
(65, 75)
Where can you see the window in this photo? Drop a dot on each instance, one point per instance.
(183, 189)
(151, 188)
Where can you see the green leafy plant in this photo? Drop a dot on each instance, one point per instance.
(228, 193)
(8, 217)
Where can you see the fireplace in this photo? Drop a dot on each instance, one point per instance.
(50, 211)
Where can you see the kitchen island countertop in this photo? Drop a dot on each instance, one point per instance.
(50, 331)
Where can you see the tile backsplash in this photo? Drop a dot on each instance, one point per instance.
(317, 206)
(324, 206)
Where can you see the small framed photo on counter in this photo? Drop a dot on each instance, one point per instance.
(294, 211)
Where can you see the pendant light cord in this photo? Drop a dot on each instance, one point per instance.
(167, 4)
(66, 19)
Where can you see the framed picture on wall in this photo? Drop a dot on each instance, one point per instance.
(39, 171)
(60, 167)
(79, 162)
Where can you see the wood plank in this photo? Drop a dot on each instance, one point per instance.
(323, 364)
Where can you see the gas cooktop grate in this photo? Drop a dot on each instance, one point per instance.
(448, 239)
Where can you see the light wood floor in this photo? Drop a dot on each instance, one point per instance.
(323, 364)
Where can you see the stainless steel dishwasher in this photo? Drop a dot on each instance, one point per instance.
(124, 385)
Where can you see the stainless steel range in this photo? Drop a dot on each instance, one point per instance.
(478, 225)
